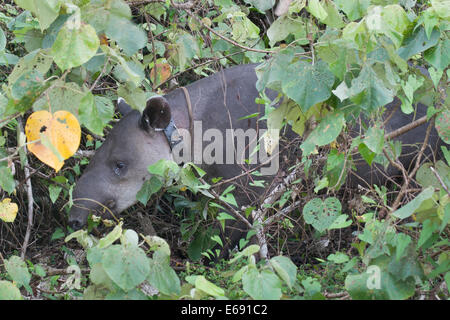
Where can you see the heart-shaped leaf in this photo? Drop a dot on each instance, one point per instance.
(52, 138)
(8, 210)
(321, 214)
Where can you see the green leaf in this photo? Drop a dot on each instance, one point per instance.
(2, 40)
(7, 182)
(427, 230)
(407, 210)
(28, 84)
(338, 257)
(63, 96)
(442, 8)
(8, 291)
(368, 91)
(312, 83)
(128, 36)
(84, 238)
(411, 85)
(435, 76)
(162, 276)
(366, 153)
(285, 268)
(243, 29)
(201, 283)
(38, 60)
(326, 132)
(149, 188)
(321, 214)
(74, 45)
(374, 139)
(131, 72)
(127, 266)
(111, 237)
(264, 285)
(134, 96)
(158, 244)
(357, 33)
(95, 112)
(281, 28)
(340, 222)
(54, 192)
(312, 288)
(186, 48)
(261, 5)
(8, 59)
(403, 240)
(395, 23)
(418, 42)
(315, 8)
(354, 9)
(427, 178)
(439, 56)
(45, 10)
(247, 252)
(334, 18)
(18, 271)
(57, 234)
(129, 237)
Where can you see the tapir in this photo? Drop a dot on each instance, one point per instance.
(220, 104)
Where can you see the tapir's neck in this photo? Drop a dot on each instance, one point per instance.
(207, 95)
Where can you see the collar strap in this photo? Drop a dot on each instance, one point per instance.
(172, 134)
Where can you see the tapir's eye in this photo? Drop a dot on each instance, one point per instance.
(120, 168)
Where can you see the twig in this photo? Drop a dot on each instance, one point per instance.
(232, 210)
(30, 200)
(283, 212)
(9, 118)
(440, 180)
(150, 34)
(260, 213)
(225, 38)
(100, 75)
(406, 128)
(197, 66)
(413, 172)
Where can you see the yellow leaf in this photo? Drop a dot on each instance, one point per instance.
(56, 136)
(8, 210)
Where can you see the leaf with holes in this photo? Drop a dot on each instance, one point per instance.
(443, 125)
(321, 214)
(52, 138)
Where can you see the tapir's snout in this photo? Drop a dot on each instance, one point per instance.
(77, 221)
(81, 209)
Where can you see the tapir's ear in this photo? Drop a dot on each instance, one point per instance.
(156, 114)
(124, 108)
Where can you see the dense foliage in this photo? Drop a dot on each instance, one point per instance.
(333, 61)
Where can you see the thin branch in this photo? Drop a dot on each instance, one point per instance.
(30, 200)
(406, 128)
(413, 172)
(100, 75)
(232, 210)
(234, 43)
(440, 180)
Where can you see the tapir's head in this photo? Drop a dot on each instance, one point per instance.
(119, 168)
